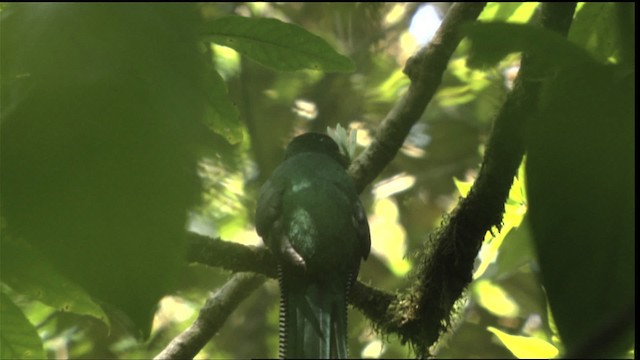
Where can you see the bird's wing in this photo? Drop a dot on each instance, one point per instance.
(361, 225)
(269, 208)
(269, 223)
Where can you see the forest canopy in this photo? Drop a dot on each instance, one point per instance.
(492, 145)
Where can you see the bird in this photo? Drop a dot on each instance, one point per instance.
(310, 216)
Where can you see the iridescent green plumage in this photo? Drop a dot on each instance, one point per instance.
(310, 216)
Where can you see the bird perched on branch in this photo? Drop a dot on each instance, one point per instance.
(310, 216)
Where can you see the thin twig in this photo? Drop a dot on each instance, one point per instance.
(212, 316)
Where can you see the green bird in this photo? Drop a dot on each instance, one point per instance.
(311, 218)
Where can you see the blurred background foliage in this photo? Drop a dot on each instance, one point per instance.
(505, 313)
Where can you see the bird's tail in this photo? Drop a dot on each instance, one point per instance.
(313, 321)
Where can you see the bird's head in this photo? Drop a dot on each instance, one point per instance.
(315, 143)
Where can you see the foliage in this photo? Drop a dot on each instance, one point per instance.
(276, 44)
(19, 338)
(563, 169)
(547, 282)
(90, 171)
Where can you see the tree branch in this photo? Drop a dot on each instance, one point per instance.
(212, 316)
(230, 256)
(236, 257)
(444, 269)
(425, 70)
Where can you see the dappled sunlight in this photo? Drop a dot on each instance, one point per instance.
(424, 24)
(524, 347)
(388, 237)
(227, 61)
(172, 309)
(493, 298)
(246, 237)
(515, 210)
(374, 349)
(393, 185)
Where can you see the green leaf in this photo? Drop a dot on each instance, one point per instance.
(18, 338)
(581, 191)
(508, 11)
(525, 347)
(275, 44)
(516, 250)
(222, 115)
(594, 29)
(490, 42)
(463, 186)
(515, 209)
(495, 299)
(29, 274)
(102, 148)
(495, 11)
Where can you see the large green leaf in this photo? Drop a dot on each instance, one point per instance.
(31, 275)
(98, 161)
(524, 347)
(517, 12)
(18, 338)
(276, 44)
(222, 115)
(493, 41)
(581, 187)
(580, 171)
(516, 250)
(594, 30)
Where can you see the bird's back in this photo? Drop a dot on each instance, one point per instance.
(318, 209)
